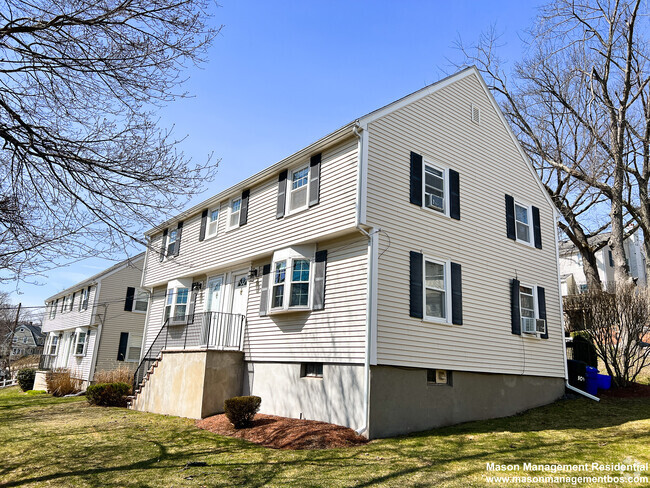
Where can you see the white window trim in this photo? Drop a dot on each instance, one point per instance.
(168, 242)
(174, 303)
(289, 189)
(529, 211)
(209, 235)
(76, 343)
(287, 286)
(230, 213)
(135, 295)
(84, 298)
(445, 171)
(133, 341)
(535, 305)
(447, 265)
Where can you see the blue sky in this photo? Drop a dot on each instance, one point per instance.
(283, 74)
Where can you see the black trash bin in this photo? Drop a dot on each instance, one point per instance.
(577, 374)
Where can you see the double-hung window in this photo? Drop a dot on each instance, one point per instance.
(299, 189)
(80, 344)
(235, 212)
(171, 242)
(435, 289)
(213, 222)
(279, 278)
(53, 309)
(290, 288)
(176, 303)
(435, 191)
(83, 299)
(532, 309)
(140, 300)
(54, 345)
(522, 223)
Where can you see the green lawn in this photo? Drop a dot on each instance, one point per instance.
(64, 442)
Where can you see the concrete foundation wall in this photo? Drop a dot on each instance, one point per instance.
(402, 401)
(192, 384)
(39, 381)
(337, 397)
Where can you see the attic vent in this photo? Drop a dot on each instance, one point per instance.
(476, 114)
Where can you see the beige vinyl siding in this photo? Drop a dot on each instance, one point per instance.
(155, 316)
(112, 295)
(335, 334)
(73, 318)
(440, 129)
(264, 232)
(80, 365)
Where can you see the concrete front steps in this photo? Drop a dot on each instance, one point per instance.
(191, 383)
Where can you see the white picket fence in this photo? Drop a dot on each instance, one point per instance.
(6, 383)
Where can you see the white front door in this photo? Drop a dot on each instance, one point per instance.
(240, 293)
(213, 303)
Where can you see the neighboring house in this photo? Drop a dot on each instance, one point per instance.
(396, 275)
(27, 340)
(573, 276)
(98, 323)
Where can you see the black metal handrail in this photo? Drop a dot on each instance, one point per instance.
(210, 330)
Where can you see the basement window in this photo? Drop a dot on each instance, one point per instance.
(311, 370)
(438, 377)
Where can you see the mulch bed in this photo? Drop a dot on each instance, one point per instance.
(635, 390)
(286, 433)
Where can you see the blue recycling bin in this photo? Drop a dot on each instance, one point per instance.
(604, 382)
(592, 380)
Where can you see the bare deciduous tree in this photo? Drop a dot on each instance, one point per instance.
(578, 101)
(84, 165)
(617, 324)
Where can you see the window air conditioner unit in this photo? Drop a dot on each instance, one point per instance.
(541, 326)
(528, 325)
(432, 201)
(441, 376)
(178, 320)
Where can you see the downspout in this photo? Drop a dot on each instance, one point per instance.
(364, 430)
(559, 284)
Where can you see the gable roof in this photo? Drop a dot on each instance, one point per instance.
(346, 132)
(97, 277)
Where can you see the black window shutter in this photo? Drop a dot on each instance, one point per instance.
(537, 229)
(243, 214)
(124, 341)
(454, 194)
(282, 194)
(416, 179)
(456, 294)
(179, 234)
(541, 308)
(128, 302)
(416, 286)
(319, 280)
(204, 223)
(264, 294)
(510, 218)
(514, 307)
(163, 246)
(611, 258)
(314, 179)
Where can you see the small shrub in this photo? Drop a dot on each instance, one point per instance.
(26, 378)
(122, 374)
(108, 394)
(241, 410)
(61, 383)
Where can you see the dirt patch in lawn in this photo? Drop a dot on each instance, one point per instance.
(635, 390)
(286, 433)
